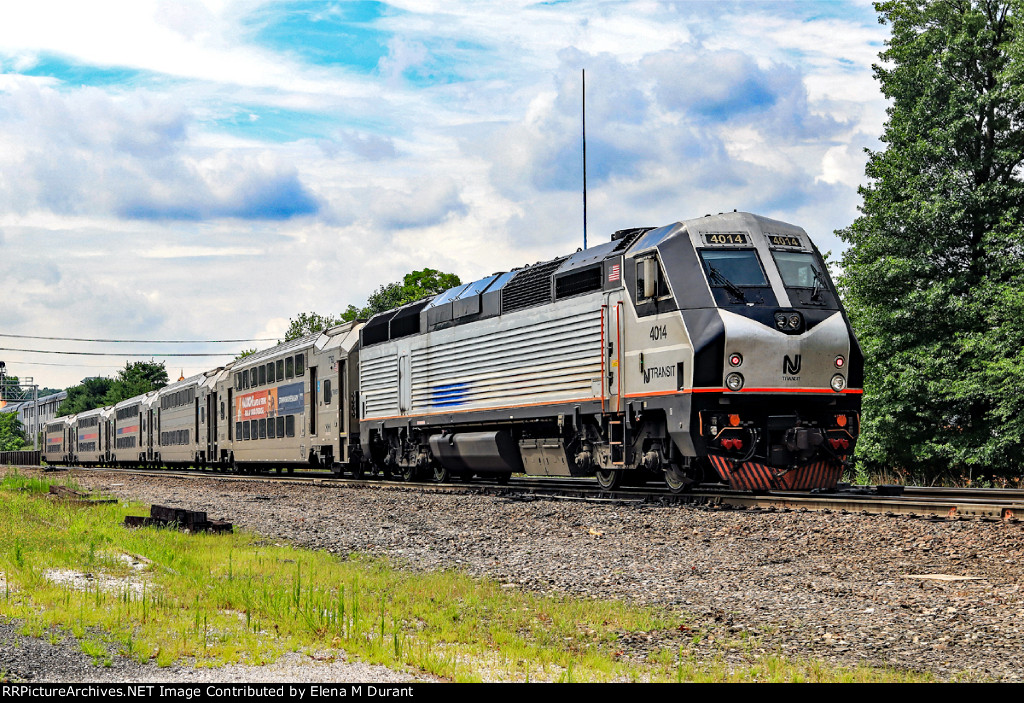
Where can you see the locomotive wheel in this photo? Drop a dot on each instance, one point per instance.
(608, 479)
(408, 473)
(441, 473)
(677, 480)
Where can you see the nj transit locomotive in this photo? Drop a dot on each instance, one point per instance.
(714, 349)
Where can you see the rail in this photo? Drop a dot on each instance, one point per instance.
(987, 504)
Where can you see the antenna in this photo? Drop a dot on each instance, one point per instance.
(584, 94)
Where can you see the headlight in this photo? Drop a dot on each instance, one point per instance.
(794, 321)
(838, 382)
(780, 321)
(734, 381)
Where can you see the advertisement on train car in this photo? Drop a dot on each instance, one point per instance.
(270, 402)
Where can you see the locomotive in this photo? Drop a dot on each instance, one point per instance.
(709, 350)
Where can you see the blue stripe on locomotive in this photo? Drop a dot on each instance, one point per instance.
(449, 395)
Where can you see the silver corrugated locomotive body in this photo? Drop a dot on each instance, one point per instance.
(709, 349)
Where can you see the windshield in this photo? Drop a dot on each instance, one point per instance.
(798, 269)
(739, 267)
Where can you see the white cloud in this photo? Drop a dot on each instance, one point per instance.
(222, 226)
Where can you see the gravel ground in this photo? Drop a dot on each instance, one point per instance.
(29, 659)
(925, 595)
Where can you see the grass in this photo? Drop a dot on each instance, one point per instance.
(948, 479)
(236, 598)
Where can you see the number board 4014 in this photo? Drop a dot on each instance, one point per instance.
(725, 238)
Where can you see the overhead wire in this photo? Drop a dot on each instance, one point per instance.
(121, 354)
(142, 341)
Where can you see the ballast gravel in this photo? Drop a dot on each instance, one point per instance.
(936, 596)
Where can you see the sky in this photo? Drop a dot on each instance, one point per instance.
(205, 170)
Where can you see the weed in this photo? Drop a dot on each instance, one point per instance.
(215, 599)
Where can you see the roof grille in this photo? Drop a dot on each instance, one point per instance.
(578, 282)
(531, 286)
(626, 237)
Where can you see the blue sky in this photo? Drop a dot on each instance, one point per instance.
(201, 170)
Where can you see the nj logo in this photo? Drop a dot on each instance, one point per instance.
(791, 367)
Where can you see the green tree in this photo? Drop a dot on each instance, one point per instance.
(935, 268)
(136, 378)
(12, 434)
(307, 323)
(414, 286)
(246, 352)
(87, 395)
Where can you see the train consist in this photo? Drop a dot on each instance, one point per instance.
(710, 350)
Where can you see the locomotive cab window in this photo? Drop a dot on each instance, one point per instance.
(798, 269)
(650, 281)
(738, 267)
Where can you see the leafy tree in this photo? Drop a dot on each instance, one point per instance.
(307, 323)
(12, 434)
(136, 378)
(85, 396)
(246, 352)
(414, 286)
(934, 274)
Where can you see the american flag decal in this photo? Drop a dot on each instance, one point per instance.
(614, 273)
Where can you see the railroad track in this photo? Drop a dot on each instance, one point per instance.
(945, 503)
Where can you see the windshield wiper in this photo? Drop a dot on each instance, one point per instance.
(719, 278)
(819, 283)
